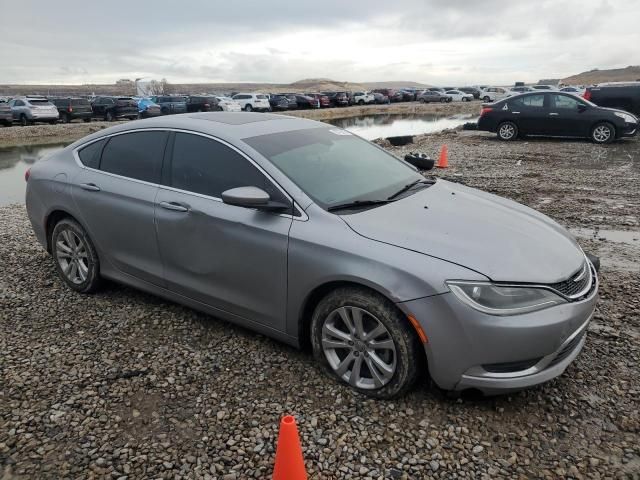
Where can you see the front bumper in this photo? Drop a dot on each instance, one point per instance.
(629, 129)
(469, 349)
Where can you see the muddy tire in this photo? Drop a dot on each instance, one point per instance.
(75, 257)
(362, 339)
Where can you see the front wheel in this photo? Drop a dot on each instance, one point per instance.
(603, 132)
(507, 131)
(486, 98)
(365, 341)
(75, 256)
(248, 107)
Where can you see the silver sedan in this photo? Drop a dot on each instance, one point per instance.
(316, 237)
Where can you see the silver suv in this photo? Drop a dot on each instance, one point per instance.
(31, 109)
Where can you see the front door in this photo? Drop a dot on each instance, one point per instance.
(568, 115)
(231, 258)
(116, 194)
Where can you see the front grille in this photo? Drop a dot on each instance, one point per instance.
(575, 284)
(567, 349)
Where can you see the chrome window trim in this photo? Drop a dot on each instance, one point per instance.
(303, 215)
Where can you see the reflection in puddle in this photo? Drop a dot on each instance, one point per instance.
(392, 125)
(14, 162)
(619, 236)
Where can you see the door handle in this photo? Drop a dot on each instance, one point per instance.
(553, 114)
(176, 207)
(516, 113)
(91, 187)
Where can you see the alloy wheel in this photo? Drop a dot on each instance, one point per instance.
(601, 133)
(507, 131)
(359, 348)
(72, 256)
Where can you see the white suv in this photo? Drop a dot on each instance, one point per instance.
(360, 98)
(252, 101)
(491, 94)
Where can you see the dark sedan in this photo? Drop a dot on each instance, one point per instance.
(338, 99)
(555, 114)
(279, 102)
(430, 96)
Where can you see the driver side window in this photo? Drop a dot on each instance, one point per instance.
(205, 166)
(566, 102)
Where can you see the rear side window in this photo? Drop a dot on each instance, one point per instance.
(532, 101)
(202, 165)
(90, 155)
(135, 155)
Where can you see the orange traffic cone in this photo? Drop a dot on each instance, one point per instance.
(443, 161)
(289, 462)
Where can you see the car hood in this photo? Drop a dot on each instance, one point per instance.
(496, 237)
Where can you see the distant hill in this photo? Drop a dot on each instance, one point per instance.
(305, 85)
(626, 74)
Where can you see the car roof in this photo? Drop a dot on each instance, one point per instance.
(228, 126)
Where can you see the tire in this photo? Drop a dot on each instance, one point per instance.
(603, 133)
(248, 107)
(486, 98)
(87, 120)
(443, 100)
(67, 235)
(360, 102)
(465, 99)
(109, 116)
(65, 118)
(23, 120)
(402, 360)
(507, 131)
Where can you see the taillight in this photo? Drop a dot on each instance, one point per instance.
(70, 109)
(485, 110)
(27, 174)
(587, 95)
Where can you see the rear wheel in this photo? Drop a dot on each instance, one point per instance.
(75, 256)
(23, 120)
(507, 131)
(66, 118)
(486, 98)
(109, 116)
(443, 100)
(87, 120)
(360, 102)
(603, 132)
(365, 341)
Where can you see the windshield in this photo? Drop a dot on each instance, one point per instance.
(333, 166)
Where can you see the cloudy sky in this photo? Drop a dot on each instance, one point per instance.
(431, 41)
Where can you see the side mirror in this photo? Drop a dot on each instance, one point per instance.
(251, 197)
(581, 107)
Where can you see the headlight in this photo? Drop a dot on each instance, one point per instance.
(495, 299)
(626, 117)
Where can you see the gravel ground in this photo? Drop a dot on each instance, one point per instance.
(61, 132)
(123, 384)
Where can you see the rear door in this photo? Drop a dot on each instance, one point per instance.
(568, 116)
(530, 113)
(231, 258)
(115, 194)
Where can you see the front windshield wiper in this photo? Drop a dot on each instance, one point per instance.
(409, 186)
(357, 204)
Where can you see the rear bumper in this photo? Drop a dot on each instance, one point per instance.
(44, 116)
(469, 349)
